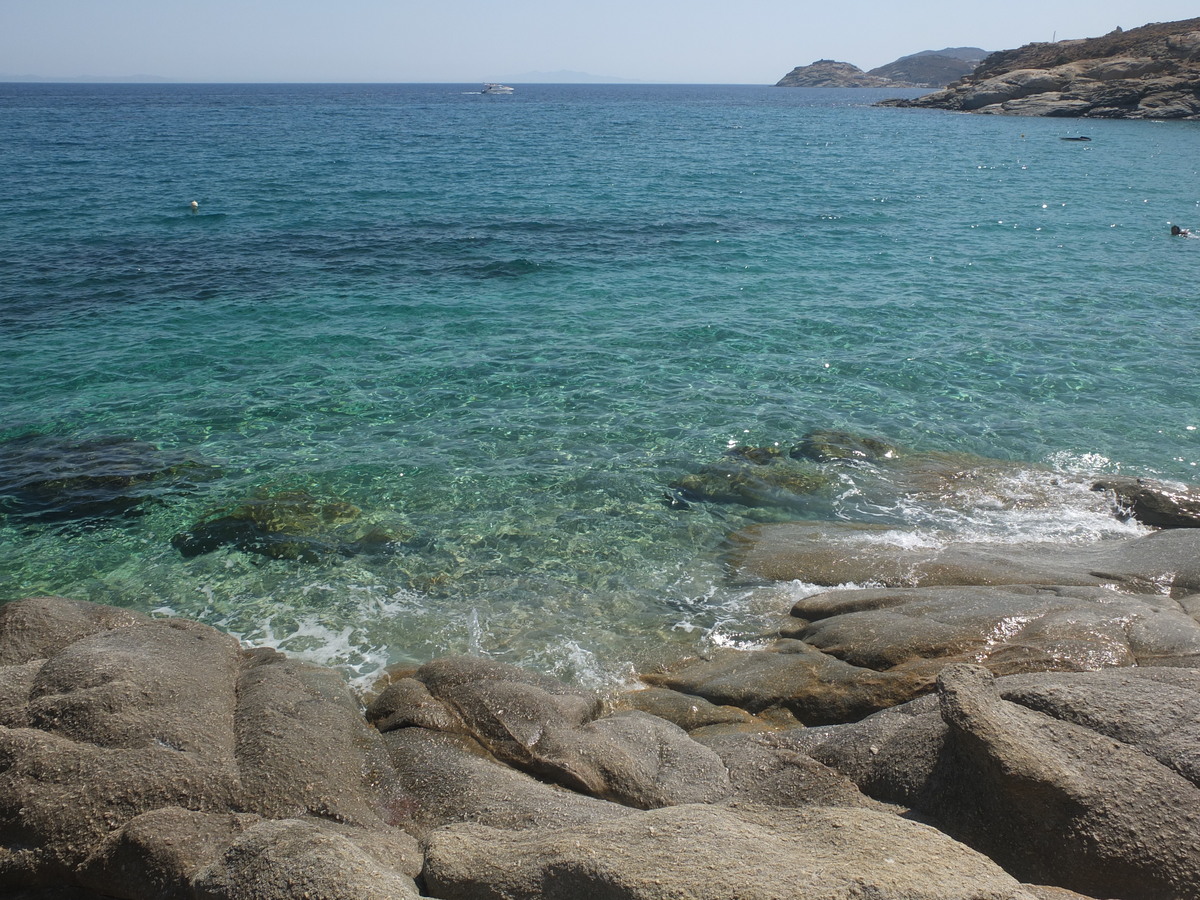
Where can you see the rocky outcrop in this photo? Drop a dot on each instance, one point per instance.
(932, 68)
(1152, 72)
(150, 759)
(1155, 503)
(927, 69)
(829, 73)
(143, 758)
(539, 726)
(714, 853)
(1053, 800)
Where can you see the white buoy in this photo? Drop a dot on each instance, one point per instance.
(195, 206)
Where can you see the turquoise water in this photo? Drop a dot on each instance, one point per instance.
(501, 327)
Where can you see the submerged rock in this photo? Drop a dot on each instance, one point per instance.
(293, 525)
(751, 476)
(50, 479)
(830, 472)
(830, 446)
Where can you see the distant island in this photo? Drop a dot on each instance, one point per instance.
(927, 69)
(1151, 72)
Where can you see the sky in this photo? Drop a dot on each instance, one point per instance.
(686, 41)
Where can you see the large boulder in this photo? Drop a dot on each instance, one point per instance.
(715, 853)
(551, 731)
(162, 741)
(1053, 801)
(446, 778)
(788, 676)
(766, 769)
(38, 627)
(292, 858)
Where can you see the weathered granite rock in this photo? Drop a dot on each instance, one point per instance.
(854, 652)
(38, 627)
(284, 859)
(1052, 801)
(158, 853)
(832, 554)
(687, 711)
(816, 688)
(130, 717)
(1152, 72)
(446, 778)
(715, 853)
(767, 769)
(1018, 628)
(551, 731)
(1153, 709)
(302, 745)
(1154, 503)
(49, 479)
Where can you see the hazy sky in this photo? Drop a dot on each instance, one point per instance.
(700, 41)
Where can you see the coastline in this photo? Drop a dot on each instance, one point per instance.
(988, 721)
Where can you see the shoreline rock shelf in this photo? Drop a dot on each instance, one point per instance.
(1152, 72)
(156, 758)
(987, 722)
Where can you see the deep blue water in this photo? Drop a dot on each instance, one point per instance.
(503, 326)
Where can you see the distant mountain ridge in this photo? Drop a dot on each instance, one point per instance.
(928, 68)
(1151, 72)
(85, 79)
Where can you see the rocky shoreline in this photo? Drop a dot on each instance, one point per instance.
(1151, 72)
(988, 721)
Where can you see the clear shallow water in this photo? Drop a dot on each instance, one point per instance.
(502, 326)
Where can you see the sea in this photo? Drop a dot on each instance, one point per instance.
(473, 343)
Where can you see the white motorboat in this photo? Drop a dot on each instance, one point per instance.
(490, 88)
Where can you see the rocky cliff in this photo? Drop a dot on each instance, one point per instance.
(1152, 72)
